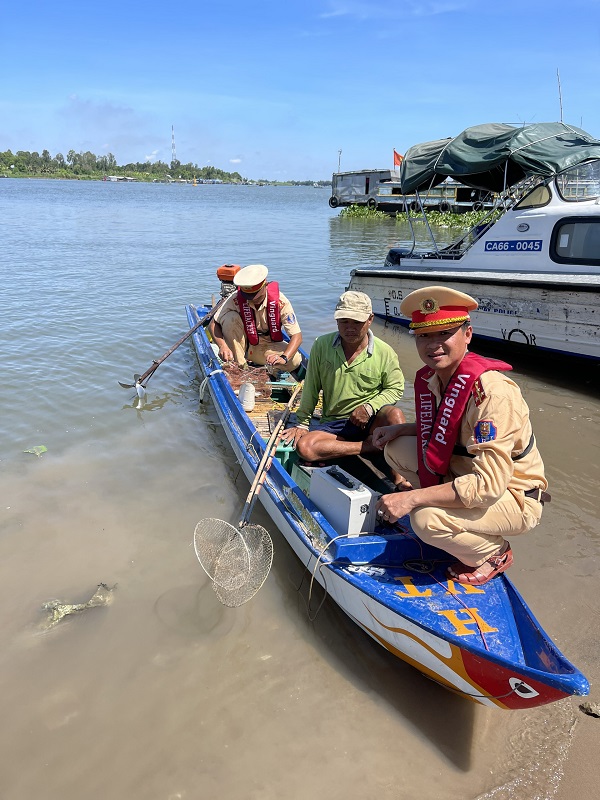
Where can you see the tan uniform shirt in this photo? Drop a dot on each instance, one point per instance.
(289, 323)
(494, 432)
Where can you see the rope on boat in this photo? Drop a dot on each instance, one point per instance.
(429, 572)
(312, 617)
(414, 565)
(318, 565)
(249, 447)
(425, 566)
(205, 382)
(411, 564)
(422, 566)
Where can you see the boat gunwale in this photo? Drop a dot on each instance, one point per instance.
(576, 281)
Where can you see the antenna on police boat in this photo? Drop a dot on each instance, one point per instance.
(559, 94)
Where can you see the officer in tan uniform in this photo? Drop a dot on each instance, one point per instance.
(248, 326)
(472, 472)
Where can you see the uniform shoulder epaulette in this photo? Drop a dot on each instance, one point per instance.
(478, 392)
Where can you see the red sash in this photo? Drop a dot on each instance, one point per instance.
(273, 315)
(438, 429)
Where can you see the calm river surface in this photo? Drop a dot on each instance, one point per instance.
(165, 693)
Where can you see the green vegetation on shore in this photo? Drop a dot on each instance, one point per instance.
(87, 166)
(437, 218)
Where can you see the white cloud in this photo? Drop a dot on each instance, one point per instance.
(123, 129)
(415, 8)
(235, 160)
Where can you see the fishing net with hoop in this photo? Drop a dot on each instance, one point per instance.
(237, 560)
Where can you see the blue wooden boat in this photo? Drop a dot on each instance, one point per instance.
(481, 642)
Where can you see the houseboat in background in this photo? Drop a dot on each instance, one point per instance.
(360, 187)
(381, 189)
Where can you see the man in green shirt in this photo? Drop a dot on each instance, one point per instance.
(361, 380)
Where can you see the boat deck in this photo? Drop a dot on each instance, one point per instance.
(270, 398)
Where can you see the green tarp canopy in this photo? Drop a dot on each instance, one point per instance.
(495, 156)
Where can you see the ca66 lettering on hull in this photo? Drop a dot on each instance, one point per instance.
(514, 245)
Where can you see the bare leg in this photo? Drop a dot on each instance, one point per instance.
(319, 445)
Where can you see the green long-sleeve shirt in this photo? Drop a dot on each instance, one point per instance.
(373, 377)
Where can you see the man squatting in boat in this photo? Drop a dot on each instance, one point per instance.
(472, 471)
(248, 325)
(361, 380)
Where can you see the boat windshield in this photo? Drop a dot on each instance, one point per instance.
(580, 183)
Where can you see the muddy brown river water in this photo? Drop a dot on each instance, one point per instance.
(164, 693)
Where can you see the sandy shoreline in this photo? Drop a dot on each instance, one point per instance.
(581, 778)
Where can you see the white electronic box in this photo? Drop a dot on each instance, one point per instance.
(347, 504)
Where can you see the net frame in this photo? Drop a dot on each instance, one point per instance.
(238, 561)
(229, 588)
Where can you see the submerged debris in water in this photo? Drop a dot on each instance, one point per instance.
(57, 610)
(592, 709)
(37, 450)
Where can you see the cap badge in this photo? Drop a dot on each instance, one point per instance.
(429, 306)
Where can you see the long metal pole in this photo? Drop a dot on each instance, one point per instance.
(559, 95)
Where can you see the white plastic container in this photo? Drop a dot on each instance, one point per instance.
(247, 396)
(347, 504)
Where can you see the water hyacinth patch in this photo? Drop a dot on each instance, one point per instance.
(362, 212)
(37, 450)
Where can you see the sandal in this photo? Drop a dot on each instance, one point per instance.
(464, 574)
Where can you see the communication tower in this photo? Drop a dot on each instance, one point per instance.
(173, 156)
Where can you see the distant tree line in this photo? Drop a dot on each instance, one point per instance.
(90, 166)
(24, 164)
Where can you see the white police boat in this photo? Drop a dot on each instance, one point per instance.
(533, 263)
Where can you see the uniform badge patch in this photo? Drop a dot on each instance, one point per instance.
(485, 431)
(429, 306)
(291, 319)
(478, 392)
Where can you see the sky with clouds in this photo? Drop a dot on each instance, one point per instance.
(276, 89)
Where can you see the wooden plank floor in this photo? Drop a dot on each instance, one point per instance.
(268, 410)
(266, 415)
(271, 396)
